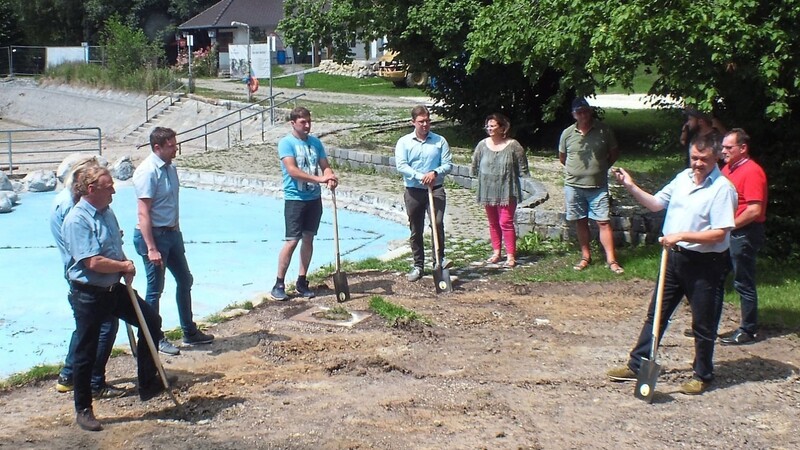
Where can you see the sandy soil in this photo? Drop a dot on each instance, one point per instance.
(500, 366)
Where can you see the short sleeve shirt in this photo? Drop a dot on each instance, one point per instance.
(751, 186)
(709, 206)
(89, 232)
(307, 154)
(158, 181)
(587, 155)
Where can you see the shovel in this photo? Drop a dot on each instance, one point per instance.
(131, 339)
(150, 344)
(441, 276)
(649, 370)
(339, 277)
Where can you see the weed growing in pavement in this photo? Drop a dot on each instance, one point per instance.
(534, 244)
(37, 373)
(338, 313)
(394, 313)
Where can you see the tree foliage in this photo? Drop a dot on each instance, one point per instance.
(10, 33)
(128, 49)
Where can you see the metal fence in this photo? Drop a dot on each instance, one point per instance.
(38, 146)
(31, 60)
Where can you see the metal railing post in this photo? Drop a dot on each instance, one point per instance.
(10, 162)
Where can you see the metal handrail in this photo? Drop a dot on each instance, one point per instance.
(171, 87)
(227, 127)
(10, 141)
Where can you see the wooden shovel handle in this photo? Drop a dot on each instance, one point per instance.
(662, 271)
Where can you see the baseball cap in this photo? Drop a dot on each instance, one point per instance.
(580, 103)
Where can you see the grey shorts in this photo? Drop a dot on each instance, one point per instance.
(586, 202)
(302, 217)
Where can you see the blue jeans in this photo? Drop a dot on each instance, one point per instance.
(745, 244)
(90, 309)
(695, 275)
(173, 254)
(105, 343)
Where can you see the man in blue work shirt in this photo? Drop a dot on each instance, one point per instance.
(62, 204)
(423, 158)
(97, 262)
(158, 238)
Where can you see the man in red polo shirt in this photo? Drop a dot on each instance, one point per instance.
(747, 237)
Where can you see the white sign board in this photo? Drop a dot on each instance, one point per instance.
(260, 57)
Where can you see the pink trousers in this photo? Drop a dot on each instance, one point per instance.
(501, 227)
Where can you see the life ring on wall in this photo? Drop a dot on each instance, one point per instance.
(252, 84)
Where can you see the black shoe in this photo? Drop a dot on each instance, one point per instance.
(198, 338)
(108, 391)
(86, 420)
(303, 290)
(740, 337)
(688, 333)
(155, 387)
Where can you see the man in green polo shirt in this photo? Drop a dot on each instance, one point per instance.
(587, 149)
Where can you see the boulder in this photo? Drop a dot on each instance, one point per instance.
(68, 162)
(5, 183)
(11, 196)
(41, 181)
(5, 203)
(122, 169)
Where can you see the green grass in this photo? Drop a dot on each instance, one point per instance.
(395, 313)
(642, 81)
(352, 113)
(37, 373)
(340, 83)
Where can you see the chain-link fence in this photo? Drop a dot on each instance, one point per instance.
(30, 60)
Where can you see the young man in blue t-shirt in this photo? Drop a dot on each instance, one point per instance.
(304, 166)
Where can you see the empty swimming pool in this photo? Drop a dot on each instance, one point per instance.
(232, 243)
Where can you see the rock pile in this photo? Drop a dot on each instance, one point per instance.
(357, 69)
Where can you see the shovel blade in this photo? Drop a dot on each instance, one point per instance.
(441, 278)
(341, 287)
(646, 381)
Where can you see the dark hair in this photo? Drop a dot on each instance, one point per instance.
(160, 136)
(83, 177)
(742, 138)
(501, 120)
(419, 110)
(299, 112)
(707, 141)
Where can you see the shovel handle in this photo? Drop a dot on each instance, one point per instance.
(434, 228)
(150, 344)
(662, 271)
(336, 230)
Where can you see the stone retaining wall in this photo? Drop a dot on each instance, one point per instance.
(357, 69)
(632, 225)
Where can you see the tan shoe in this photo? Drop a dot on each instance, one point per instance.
(694, 387)
(623, 373)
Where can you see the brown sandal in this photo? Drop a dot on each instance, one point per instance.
(618, 270)
(582, 264)
(494, 259)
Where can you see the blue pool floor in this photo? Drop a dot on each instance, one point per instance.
(232, 243)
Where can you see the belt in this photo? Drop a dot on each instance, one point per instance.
(175, 228)
(687, 252)
(90, 288)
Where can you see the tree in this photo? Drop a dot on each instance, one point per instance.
(10, 33)
(128, 49)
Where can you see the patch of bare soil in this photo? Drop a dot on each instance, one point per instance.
(501, 366)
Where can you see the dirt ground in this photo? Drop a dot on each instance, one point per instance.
(501, 366)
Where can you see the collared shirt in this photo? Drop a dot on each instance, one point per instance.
(158, 181)
(414, 158)
(88, 232)
(307, 154)
(62, 204)
(709, 206)
(587, 163)
(751, 185)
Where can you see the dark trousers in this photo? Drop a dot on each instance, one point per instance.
(745, 244)
(105, 343)
(91, 307)
(695, 275)
(416, 207)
